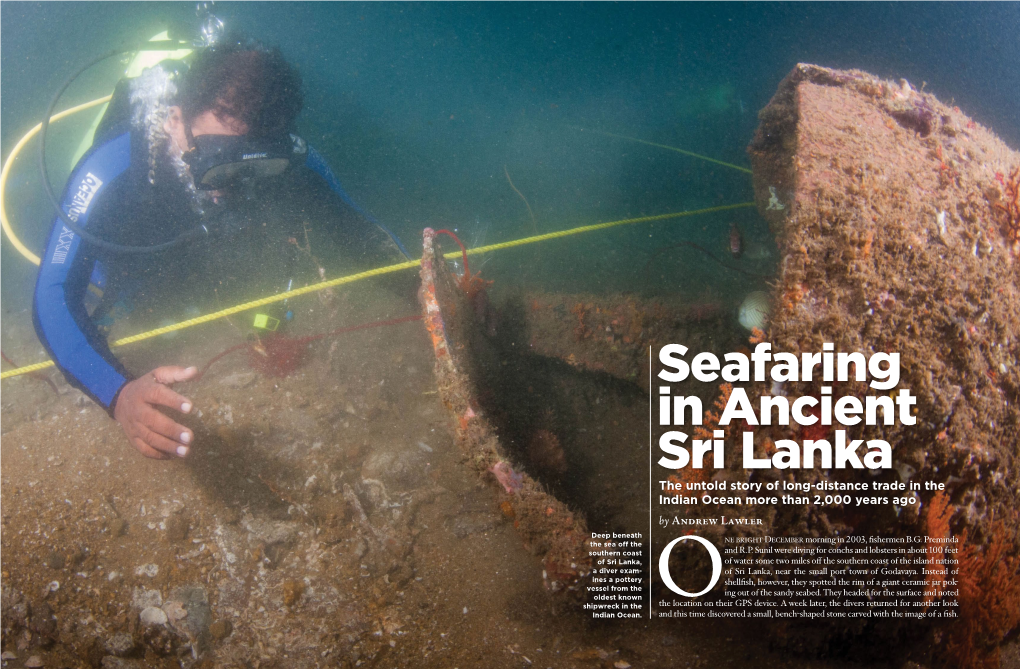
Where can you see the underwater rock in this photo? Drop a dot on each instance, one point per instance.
(174, 611)
(120, 644)
(899, 233)
(149, 570)
(152, 616)
(142, 598)
(188, 610)
(34, 662)
(269, 532)
(895, 240)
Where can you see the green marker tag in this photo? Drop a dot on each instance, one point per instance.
(266, 322)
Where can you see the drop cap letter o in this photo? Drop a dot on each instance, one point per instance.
(664, 565)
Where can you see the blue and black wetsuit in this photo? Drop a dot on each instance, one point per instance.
(109, 193)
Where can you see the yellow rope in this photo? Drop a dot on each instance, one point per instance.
(22, 249)
(665, 146)
(351, 278)
(599, 226)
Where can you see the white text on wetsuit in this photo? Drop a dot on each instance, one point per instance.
(79, 205)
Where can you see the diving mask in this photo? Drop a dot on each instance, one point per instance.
(220, 161)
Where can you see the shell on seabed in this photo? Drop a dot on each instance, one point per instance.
(754, 311)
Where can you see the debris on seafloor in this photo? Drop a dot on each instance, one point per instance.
(897, 220)
(548, 528)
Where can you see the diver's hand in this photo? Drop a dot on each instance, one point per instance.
(153, 434)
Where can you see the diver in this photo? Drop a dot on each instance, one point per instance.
(199, 165)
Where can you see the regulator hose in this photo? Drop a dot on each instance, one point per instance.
(71, 225)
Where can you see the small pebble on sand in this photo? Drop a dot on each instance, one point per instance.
(152, 616)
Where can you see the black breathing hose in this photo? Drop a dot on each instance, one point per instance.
(71, 225)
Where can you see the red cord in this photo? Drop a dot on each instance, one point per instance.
(305, 340)
(463, 251)
(216, 357)
(363, 326)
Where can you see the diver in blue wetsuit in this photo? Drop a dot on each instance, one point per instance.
(195, 171)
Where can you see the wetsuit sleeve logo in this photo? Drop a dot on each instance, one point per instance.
(86, 191)
(63, 246)
(80, 202)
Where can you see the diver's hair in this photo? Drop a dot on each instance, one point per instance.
(243, 80)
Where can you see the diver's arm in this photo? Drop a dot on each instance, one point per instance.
(72, 339)
(317, 163)
(61, 320)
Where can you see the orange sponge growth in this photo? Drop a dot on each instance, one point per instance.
(711, 422)
(936, 527)
(989, 602)
(1010, 210)
(472, 284)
